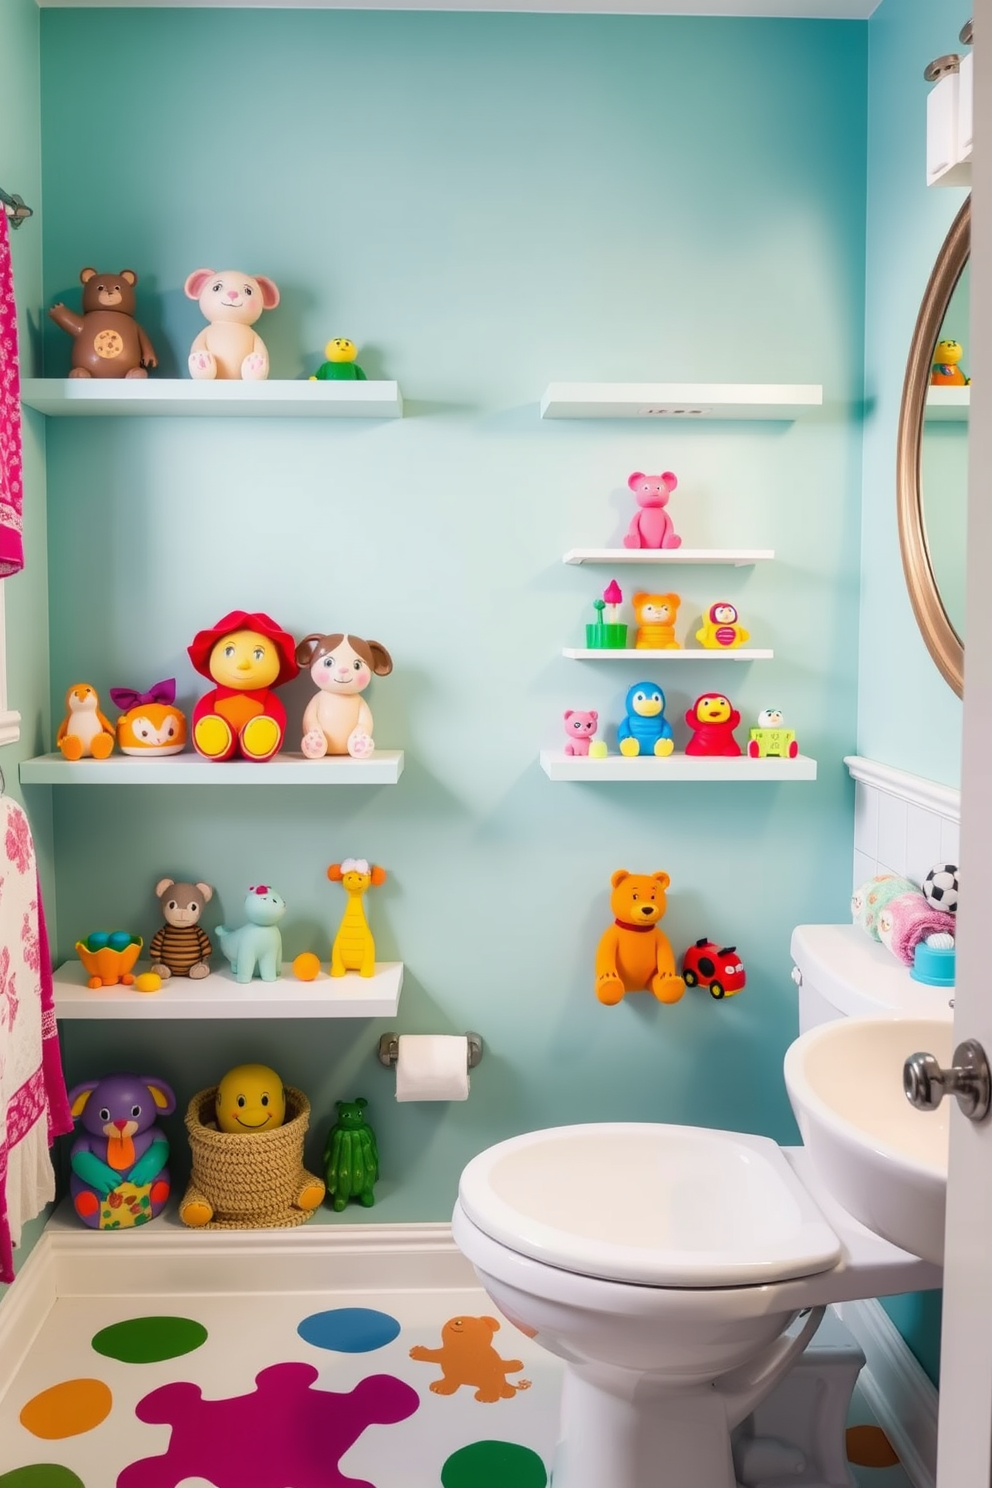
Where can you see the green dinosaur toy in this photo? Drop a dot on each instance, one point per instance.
(340, 365)
(351, 1158)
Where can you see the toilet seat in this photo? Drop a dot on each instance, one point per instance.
(650, 1204)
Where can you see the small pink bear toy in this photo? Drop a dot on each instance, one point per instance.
(580, 728)
(651, 526)
(228, 348)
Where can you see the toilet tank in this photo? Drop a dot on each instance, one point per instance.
(841, 972)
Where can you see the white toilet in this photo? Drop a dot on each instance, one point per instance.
(668, 1265)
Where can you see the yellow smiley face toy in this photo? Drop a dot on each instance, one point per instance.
(250, 1098)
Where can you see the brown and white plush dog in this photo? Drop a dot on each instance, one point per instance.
(338, 719)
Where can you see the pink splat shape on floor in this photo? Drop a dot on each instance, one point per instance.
(282, 1431)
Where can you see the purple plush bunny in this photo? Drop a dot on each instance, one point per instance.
(119, 1177)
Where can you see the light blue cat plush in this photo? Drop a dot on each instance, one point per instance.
(256, 948)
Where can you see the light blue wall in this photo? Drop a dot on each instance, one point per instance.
(484, 203)
(906, 225)
(26, 594)
(907, 222)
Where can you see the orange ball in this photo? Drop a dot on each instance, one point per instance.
(306, 967)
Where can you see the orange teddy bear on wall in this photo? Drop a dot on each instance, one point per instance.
(467, 1357)
(634, 955)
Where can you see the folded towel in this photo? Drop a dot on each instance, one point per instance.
(34, 1107)
(908, 919)
(868, 901)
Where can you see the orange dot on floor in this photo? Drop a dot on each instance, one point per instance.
(868, 1446)
(306, 967)
(67, 1409)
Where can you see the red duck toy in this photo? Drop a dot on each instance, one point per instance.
(246, 655)
(713, 719)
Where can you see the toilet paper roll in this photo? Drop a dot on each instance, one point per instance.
(432, 1067)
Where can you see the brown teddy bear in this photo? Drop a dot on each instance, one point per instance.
(107, 340)
(633, 954)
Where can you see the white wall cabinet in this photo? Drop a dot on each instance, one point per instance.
(949, 129)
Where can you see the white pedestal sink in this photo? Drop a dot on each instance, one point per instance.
(882, 1160)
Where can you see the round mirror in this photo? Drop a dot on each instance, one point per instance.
(932, 456)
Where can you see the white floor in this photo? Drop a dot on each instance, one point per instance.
(245, 1335)
(248, 1333)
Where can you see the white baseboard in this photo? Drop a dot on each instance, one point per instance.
(26, 1304)
(901, 1395)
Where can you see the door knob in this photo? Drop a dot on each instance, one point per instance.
(969, 1078)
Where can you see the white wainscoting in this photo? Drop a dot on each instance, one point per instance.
(902, 823)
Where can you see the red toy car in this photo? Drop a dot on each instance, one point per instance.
(706, 964)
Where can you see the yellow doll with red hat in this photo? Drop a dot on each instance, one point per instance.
(246, 655)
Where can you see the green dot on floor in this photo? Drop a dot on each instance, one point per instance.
(149, 1340)
(494, 1464)
(41, 1475)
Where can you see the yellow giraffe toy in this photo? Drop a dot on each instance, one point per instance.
(354, 948)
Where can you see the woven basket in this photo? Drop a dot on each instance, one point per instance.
(251, 1180)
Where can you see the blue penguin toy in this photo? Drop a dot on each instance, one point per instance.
(645, 729)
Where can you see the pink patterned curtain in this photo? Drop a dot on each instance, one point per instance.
(11, 482)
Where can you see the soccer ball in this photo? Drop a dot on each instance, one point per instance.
(940, 887)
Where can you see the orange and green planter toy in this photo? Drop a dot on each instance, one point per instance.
(109, 956)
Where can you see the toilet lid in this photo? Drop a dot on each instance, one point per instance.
(659, 1205)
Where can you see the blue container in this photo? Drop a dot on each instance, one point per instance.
(933, 965)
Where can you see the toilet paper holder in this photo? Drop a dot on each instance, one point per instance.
(389, 1049)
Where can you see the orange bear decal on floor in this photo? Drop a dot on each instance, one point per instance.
(467, 1357)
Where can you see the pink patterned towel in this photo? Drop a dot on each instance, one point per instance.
(870, 898)
(11, 483)
(908, 919)
(34, 1106)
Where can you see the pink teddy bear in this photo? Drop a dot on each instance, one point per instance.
(651, 526)
(232, 301)
(580, 728)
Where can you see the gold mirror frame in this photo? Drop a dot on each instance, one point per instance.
(939, 635)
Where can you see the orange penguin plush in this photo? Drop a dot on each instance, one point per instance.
(84, 730)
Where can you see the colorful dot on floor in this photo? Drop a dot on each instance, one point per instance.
(494, 1464)
(349, 1330)
(41, 1475)
(67, 1409)
(149, 1340)
(868, 1446)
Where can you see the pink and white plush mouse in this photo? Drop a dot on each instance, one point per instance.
(232, 301)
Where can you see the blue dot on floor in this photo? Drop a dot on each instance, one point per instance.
(349, 1330)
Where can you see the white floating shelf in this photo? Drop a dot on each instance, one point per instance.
(739, 557)
(559, 766)
(577, 653)
(177, 397)
(690, 400)
(948, 404)
(220, 996)
(383, 767)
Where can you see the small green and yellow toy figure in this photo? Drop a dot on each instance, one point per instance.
(340, 365)
(351, 1157)
(771, 737)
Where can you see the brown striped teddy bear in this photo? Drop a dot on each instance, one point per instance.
(181, 946)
